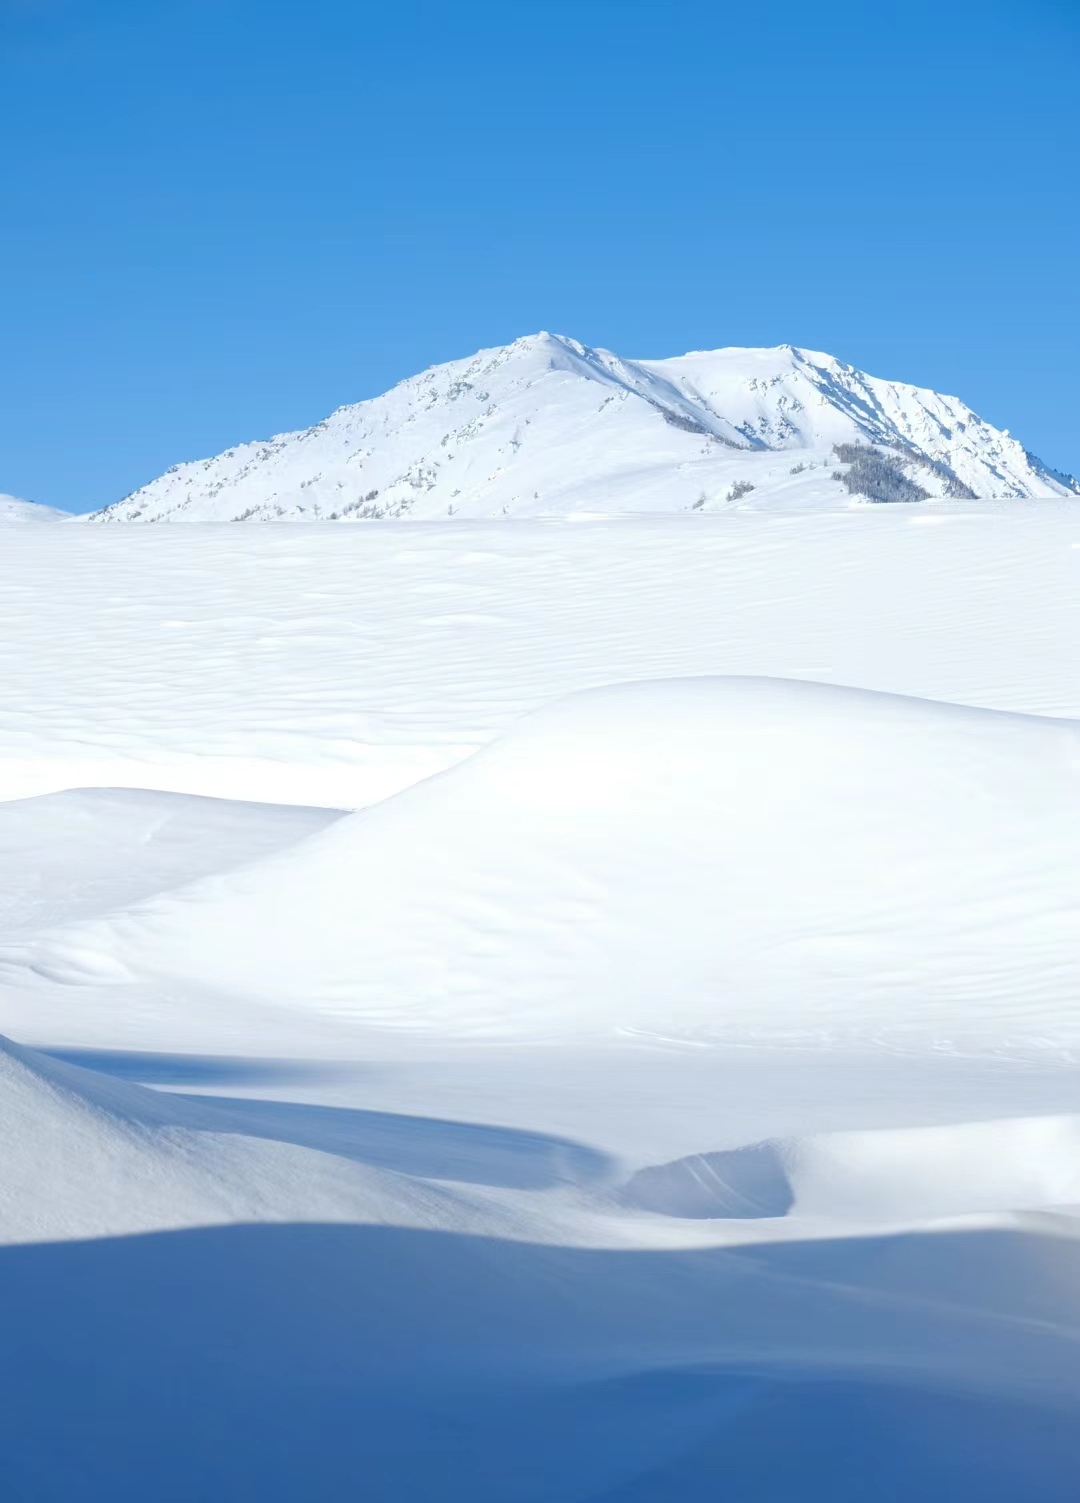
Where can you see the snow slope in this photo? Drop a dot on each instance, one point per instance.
(335, 666)
(84, 852)
(15, 512)
(257, 1296)
(289, 1362)
(332, 1292)
(300, 1318)
(550, 426)
(90, 1156)
(697, 859)
(875, 1176)
(555, 1240)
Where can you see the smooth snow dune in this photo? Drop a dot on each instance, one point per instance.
(67, 856)
(703, 859)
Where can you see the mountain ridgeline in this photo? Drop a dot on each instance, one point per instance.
(547, 426)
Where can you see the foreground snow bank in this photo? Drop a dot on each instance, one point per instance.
(286, 1363)
(699, 859)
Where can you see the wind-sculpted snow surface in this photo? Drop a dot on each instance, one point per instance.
(1027, 1163)
(310, 1320)
(89, 1156)
(672, 1098)
(333, 667)
(697, 859)
(550, 426)
(71, 855)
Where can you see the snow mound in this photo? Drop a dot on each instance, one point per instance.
(548, 425)
(69, 856)
(87, 1156)
(694, 859)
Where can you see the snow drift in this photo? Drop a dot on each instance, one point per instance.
(88, 1156)
(875, 1175)
(73, 855)
(697, 859)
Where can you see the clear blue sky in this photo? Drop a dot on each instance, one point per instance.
(224, 218)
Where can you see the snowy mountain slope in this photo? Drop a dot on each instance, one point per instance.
(548, 425)
(699, 859)
(14, 512)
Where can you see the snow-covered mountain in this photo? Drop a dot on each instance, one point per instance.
(15, 512)
(549, 426)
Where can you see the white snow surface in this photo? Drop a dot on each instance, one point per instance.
(662, 1085)
(87, 851)
(695, 859)
(14, 512)
(335, 666)
(89, 1156)
(548, 426)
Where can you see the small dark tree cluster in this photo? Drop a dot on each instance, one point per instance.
(686, 423)
(871, 475)
(740, 488)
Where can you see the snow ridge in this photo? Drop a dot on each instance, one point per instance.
(15, 512)
(549, 426)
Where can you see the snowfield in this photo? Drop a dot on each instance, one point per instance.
(544, 1011)
(335, 666)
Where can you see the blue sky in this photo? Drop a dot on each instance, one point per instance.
(223, 218)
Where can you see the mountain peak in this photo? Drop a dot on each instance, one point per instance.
(549, 425)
